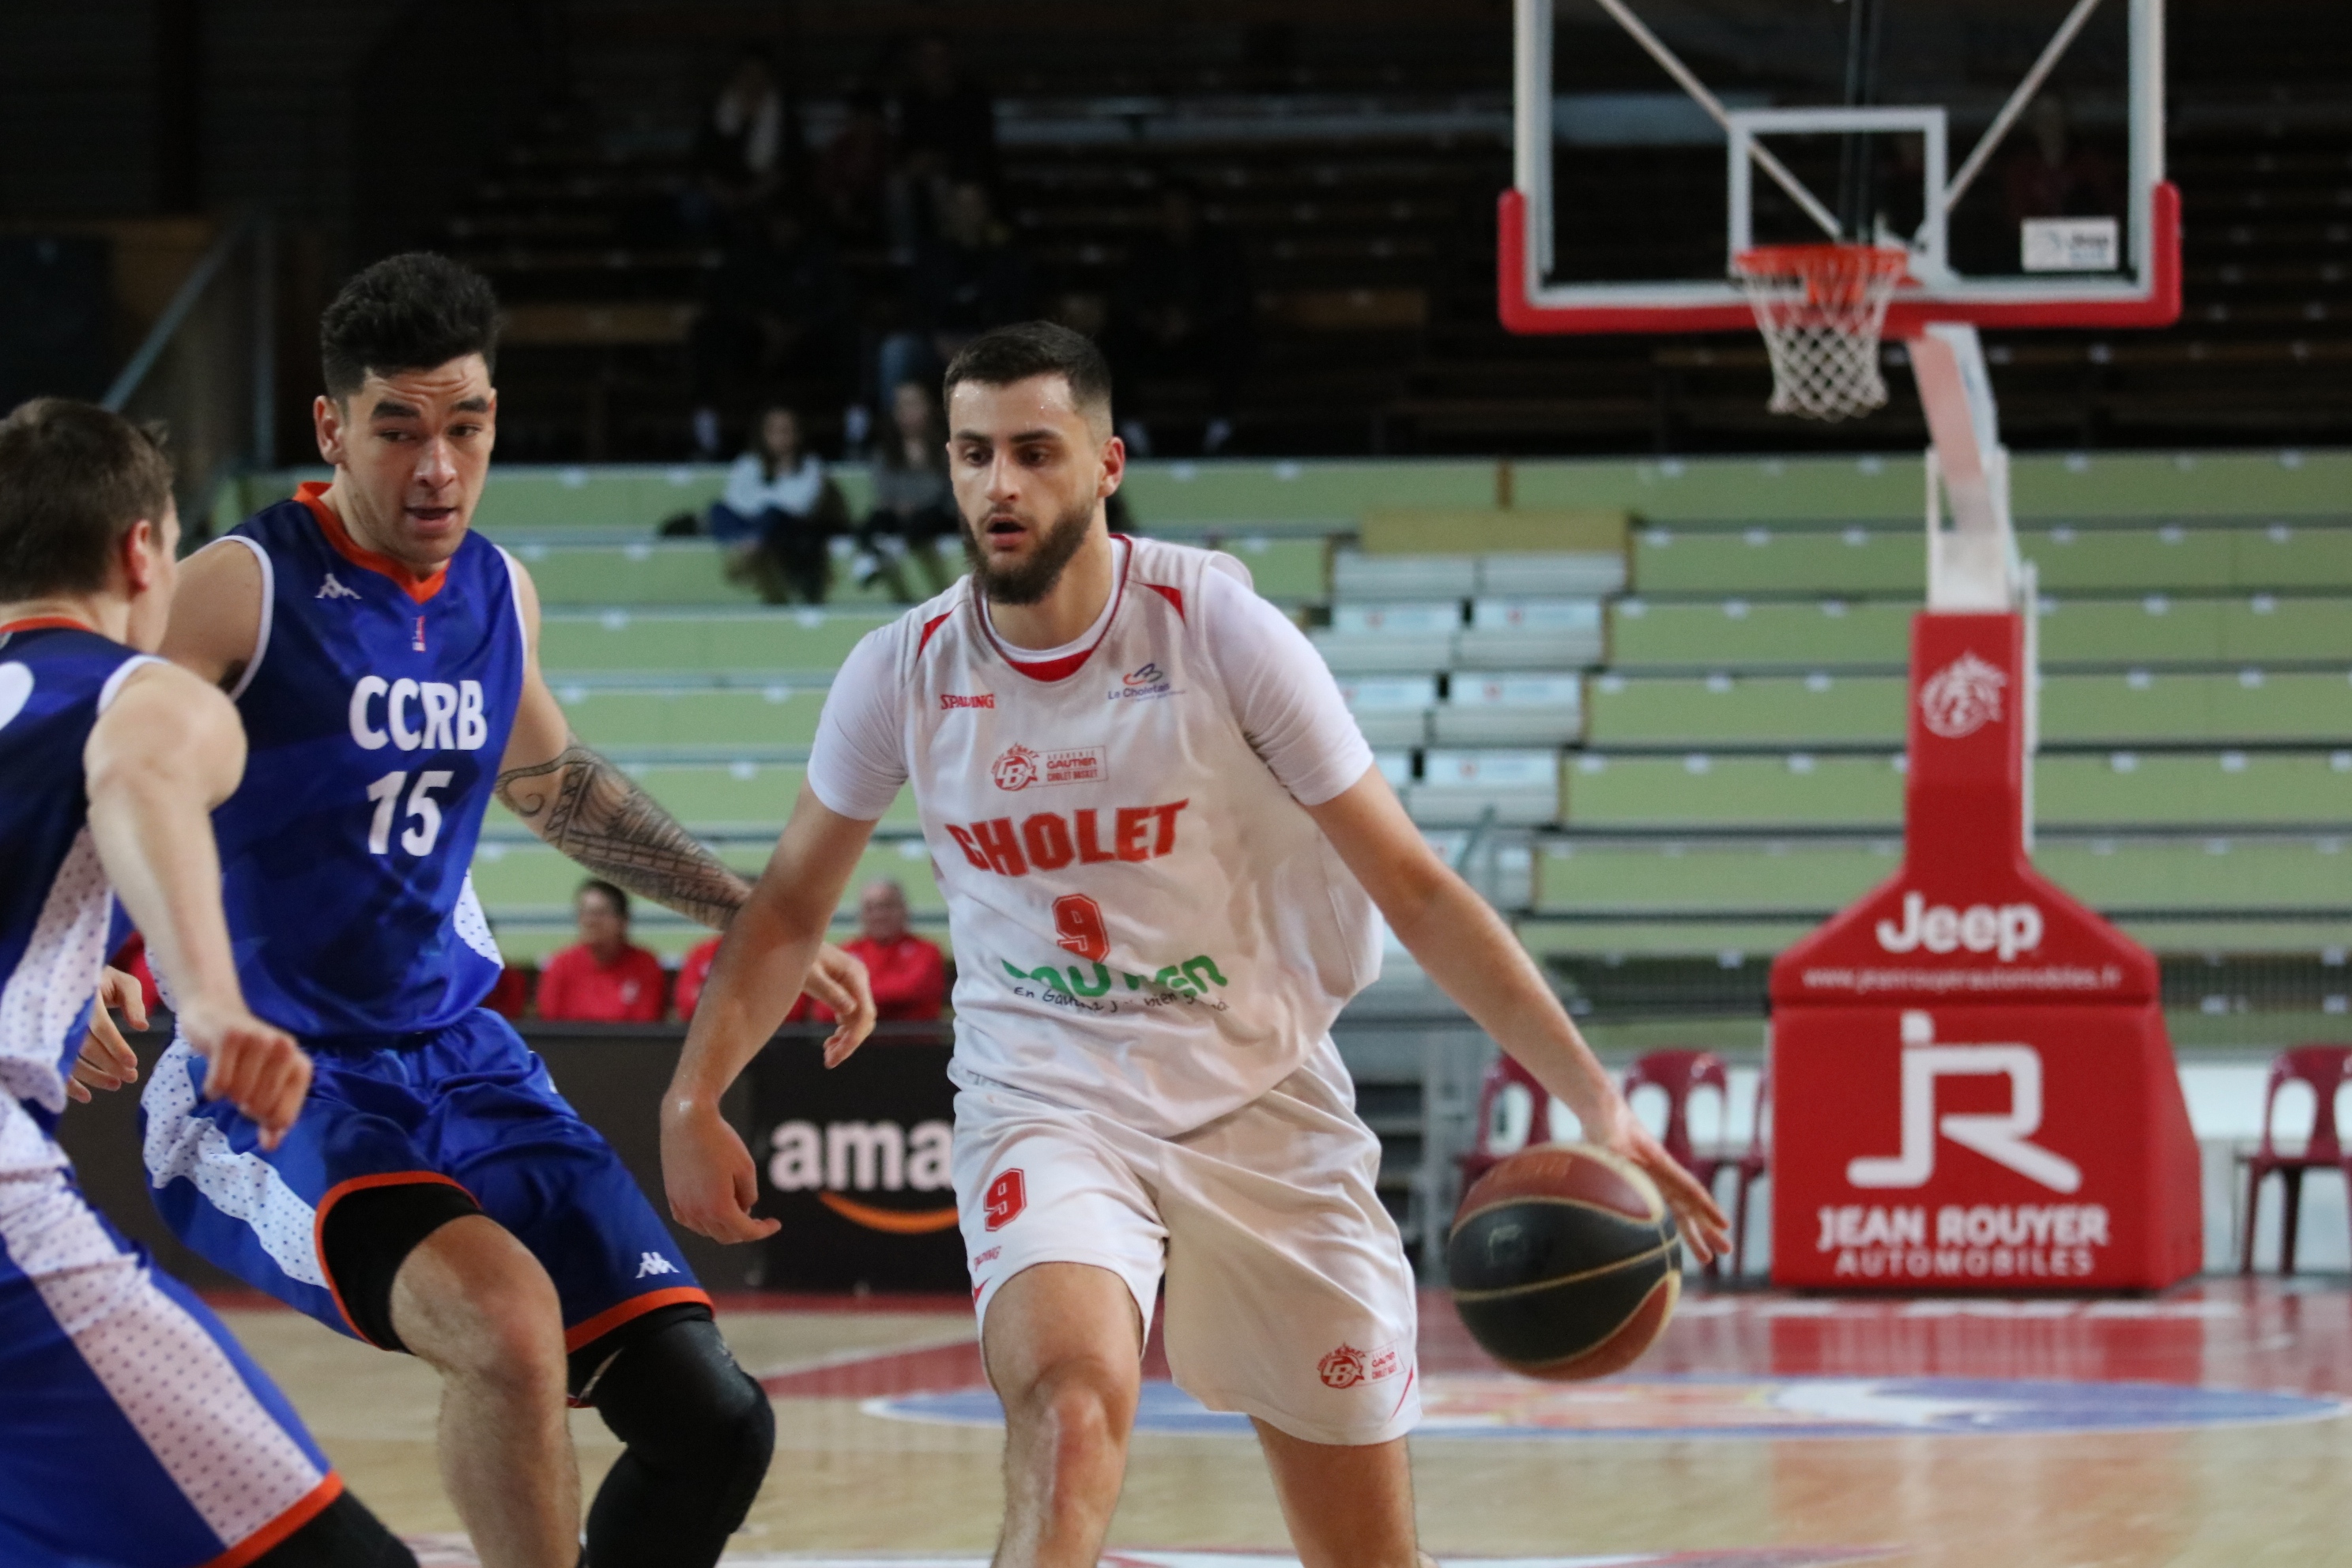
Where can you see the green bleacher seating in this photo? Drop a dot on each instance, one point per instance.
(2135, 707)
(713, 722)
(725, 642)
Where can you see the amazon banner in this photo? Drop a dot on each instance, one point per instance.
(854, 1162)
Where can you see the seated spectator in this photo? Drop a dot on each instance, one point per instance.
(603, 980)
(853, 173)
(779, 514)
(692, 975)
(510, 998)
(743, 150)
(969, 279)
(909, 975)
(1185, 313)
(914, 507)
(775, 310)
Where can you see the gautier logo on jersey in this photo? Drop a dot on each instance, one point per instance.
(845, 1157)
(1020, 767)
(1052, 839)
(418, 715)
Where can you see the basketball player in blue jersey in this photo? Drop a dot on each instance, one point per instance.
(439, 1195)
(134, 1433)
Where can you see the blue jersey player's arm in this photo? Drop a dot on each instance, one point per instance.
(164, 753)
(581, 804)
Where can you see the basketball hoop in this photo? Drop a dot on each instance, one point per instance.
(1822, 308)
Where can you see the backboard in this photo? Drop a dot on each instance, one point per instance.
(2013, 148)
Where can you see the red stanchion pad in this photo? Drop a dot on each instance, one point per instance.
(1972, 1088)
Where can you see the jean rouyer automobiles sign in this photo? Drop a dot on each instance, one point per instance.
(1972, 1084)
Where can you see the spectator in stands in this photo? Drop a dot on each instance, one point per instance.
(947, 122)
(776, 310)
(692, 974)
(909, 975)
(603, 980)
(2054, 176)
(1184, 314)
(744, 150)
(969, 279)
(914, 507)
(780, 515)
(853, 175)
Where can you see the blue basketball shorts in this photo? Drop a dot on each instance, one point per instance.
(470, 1105)
(134, 1432)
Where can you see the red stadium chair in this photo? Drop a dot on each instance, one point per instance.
(1748, 1169)
(1514, 1110)
(2324, 1068)
(1680, 1074)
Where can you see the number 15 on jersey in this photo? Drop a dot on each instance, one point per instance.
(423, 814)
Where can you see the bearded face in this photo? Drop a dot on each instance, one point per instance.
(1026, 581)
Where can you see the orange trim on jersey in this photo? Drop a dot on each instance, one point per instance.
(47, 623)
(612, 1317)
(336, 1195)
(314, 1502)
(419, 586)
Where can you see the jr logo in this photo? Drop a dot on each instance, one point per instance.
(2000, 1138)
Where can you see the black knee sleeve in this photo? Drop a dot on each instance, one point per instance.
(343, 1535)
(369, 1234)
(699, 1434)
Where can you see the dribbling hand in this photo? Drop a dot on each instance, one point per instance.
(258, 1068)
(839, 980)
(709, 1175)
(1704, 1230)
(107, 1061)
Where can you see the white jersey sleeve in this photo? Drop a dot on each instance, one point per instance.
(859, 760)
(1289, 707)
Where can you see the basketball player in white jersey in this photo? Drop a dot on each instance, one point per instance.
(1165, 854)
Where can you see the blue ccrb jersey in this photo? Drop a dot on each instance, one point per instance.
(56, 910)
(376, 716)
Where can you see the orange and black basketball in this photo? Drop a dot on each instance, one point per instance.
(1565, 1262)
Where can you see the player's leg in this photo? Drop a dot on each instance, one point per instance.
(470, 1301)
(138, 1432)
(627, 1316)
(1289, 1299)
(1066, 1250)
(1064, 1347)
(354, 1220)
(1347, 1506)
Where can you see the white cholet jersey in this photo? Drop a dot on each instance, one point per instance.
(1147, 922)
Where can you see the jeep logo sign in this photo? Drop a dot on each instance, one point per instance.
(2005, 929)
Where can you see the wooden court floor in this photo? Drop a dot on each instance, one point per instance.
(1765, 1431)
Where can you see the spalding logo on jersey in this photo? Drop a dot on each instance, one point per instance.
(418, 715)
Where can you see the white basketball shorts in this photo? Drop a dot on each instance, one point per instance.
(1289, 1298)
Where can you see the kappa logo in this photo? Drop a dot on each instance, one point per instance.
(1962, 697)
(1999, 1136)
(655, 1263)
(334, 589)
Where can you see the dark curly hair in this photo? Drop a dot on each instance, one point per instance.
(407, 312)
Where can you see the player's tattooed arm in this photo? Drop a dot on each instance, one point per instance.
(597, 814)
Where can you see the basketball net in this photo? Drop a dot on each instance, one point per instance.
(1822, 308)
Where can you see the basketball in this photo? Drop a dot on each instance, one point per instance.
(1565, 1262)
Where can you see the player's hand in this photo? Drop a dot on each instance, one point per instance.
(258, 1068)
(107, 1061)
(708, 1173)
(839, 980)
(1701, 1220)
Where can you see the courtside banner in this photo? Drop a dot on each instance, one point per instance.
(854, 1162)
(1972, 1087)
